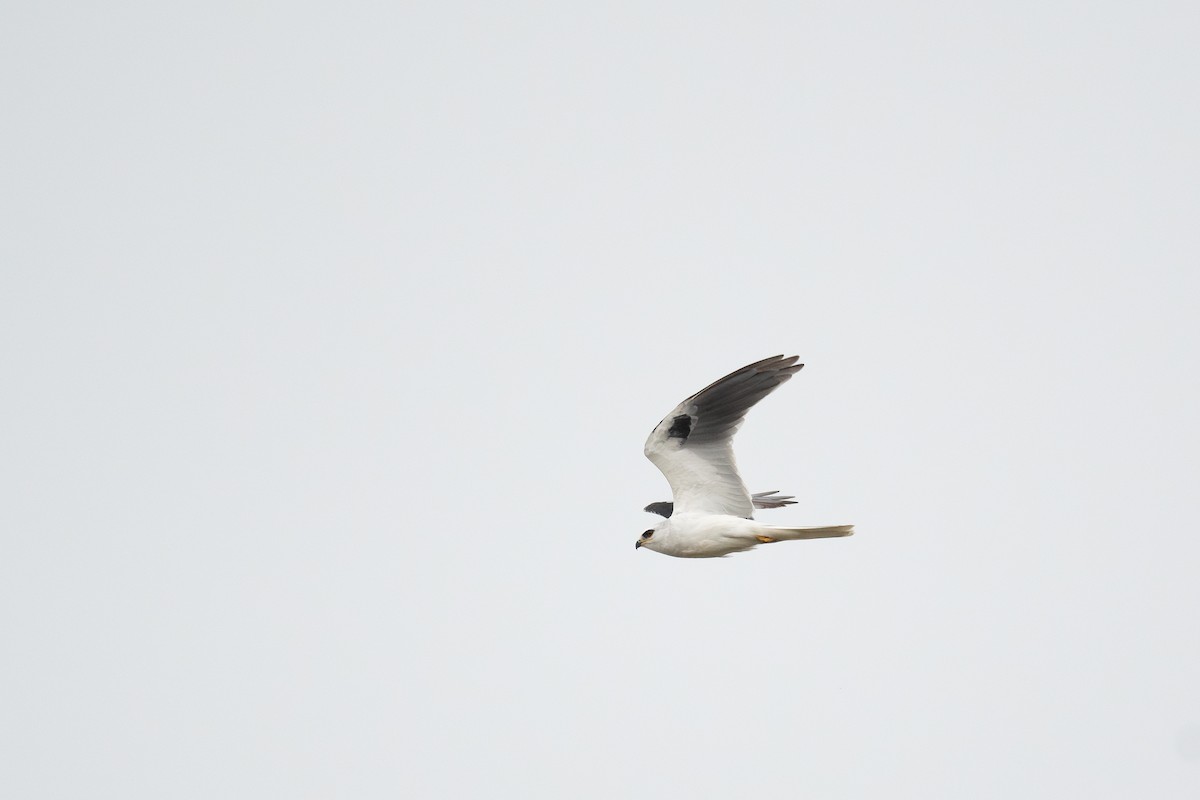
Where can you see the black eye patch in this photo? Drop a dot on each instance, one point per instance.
(647, 534)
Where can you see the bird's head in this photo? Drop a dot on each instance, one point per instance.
(647, 538)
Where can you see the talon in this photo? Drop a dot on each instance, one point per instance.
(765, 539)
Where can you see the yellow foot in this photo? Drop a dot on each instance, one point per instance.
(765, 539)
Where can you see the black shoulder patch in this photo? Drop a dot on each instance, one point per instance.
(681, 426)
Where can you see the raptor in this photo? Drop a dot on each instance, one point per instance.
(711, 513)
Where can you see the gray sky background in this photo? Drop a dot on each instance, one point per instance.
(332, 333)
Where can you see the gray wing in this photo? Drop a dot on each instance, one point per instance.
(771, 499)
(660, 508)
(693, 445)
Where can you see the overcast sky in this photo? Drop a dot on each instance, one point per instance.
(331, 334)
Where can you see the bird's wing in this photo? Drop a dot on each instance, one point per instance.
(693, 445)
(771, 499)
(661, 508)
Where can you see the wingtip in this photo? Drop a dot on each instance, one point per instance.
(788, 363)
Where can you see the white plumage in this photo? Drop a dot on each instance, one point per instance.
(712, 513)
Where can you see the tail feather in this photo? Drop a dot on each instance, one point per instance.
(827, 532)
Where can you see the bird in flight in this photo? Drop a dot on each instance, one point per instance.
(712, 513)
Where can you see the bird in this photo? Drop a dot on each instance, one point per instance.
(712, 514)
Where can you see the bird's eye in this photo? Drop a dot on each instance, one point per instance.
(648, 534)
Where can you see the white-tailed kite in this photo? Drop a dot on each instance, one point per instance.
(712, 513)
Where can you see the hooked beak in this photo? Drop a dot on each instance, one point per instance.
(637, 544)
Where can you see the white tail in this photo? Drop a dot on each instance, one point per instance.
(787, 534)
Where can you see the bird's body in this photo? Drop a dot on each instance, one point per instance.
(704, 535)
(712, 513)
(715, 535)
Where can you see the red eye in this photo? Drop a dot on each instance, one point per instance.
(647, 534)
